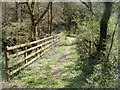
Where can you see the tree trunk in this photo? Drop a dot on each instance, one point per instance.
(16, 11)
(103, 26)
(50, 18)
(33, 30)
(21, 14)
(5, 13)
(65, 13)
(48, 21)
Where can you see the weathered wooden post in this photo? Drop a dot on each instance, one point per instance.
(25, 55)
(52, 43)
(38, 54)
(53, 40)
(89, 48)
(6, 64)
(56, 38)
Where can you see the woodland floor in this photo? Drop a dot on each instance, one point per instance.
(55, 69)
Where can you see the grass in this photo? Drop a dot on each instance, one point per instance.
(62, 60)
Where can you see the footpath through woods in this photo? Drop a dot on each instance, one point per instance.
(55, 69)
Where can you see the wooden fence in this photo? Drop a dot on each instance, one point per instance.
(25, 54)
(88, 47)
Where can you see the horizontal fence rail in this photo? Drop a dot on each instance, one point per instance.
(24, 54)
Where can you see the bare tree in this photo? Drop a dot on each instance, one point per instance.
(35, 22)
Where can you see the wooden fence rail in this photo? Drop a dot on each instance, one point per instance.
(28, 53)
(88, 47)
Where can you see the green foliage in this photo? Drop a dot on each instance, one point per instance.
(30, 80)
(16, 33)
(98, 72)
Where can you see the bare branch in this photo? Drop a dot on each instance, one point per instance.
(89, 6)
(30, 11)
(42, 15)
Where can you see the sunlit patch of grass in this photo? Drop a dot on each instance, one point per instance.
(28, 68)
(47, 63)
(30, 80)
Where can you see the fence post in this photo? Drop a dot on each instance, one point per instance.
(60, 36)
(37, 49)
(25, 55)
(6, 64)
(53, 40)
(56, 38)
(89, 48)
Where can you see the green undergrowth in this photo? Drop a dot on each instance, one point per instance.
(59, 60)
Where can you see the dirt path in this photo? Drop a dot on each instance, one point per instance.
(63, 58)
(61, 61)
(46, 71)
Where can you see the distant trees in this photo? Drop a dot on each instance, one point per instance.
(69, 15)
(32, 15)
(32, 11)
(66, 16)
(4, 12)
